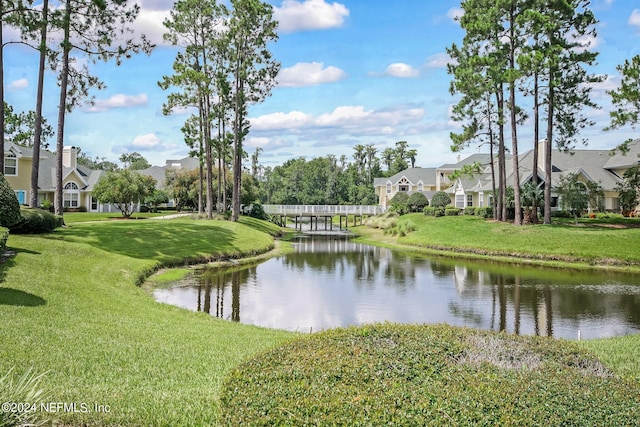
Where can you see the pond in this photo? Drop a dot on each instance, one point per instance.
(331, 282)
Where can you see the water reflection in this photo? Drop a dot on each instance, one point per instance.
(335, 282)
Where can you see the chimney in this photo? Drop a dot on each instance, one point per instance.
(69, 157)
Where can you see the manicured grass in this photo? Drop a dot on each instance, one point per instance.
(427, 375)
(592, 245)
(69, 305)
(72, 217)
(619, 353)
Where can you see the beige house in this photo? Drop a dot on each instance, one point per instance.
(77, 180)
(409, 181)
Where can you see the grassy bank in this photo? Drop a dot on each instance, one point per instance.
(585, 246)
(69, 306)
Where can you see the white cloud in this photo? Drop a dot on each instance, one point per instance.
(119, 101)
(149, 22)
(18, 84)
(146, 142)
(634, 19)
(455, 13)
(309, 15)
(291, 120)
(439, 60)
(401, 70)
(347, 119)
(309, 74)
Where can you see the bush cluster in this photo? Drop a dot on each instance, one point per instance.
(36, 221)
(9, 206)
(484, 212)
(434, 211)
(440, 199)
(426, 375)
(451, 211)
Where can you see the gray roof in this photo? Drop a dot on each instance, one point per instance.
(622, 161)
(414, 175)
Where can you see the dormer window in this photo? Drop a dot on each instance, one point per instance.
(388, 187)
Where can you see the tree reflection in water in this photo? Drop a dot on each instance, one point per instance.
(336, 282)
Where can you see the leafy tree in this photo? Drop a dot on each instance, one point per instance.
(400, 203)
(157, 198)
(440, 200)
(183, 187)
(98, 163)
(531, 195)
(253, 71)
(417, 202)
(628, 189)
(134, 161)
(595, 193)
(626, 98)
(9, 205)
(573, 193)
(20, 127)
(124, 189)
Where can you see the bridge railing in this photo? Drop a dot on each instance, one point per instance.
(324, 209)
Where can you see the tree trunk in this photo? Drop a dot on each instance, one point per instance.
(37, 137)
(547, 154)
(514, 125)
(536, 137)
(62, 109)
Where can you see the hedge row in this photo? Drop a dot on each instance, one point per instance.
(484, 212)
(35, 221)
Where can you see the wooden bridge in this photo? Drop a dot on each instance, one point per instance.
(326, 212)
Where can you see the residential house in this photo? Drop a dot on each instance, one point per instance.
(77, 180)
(409, 181)
(596, 166)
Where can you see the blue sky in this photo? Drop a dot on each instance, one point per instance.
(353, 72)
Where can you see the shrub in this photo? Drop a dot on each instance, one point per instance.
(35, 221)
(257, 211)
(417, 202)
(434, 211)
(470, 210)
(9, 206)
(451, 211)
(400, 203)
(484, 211)
(440, 199)
(4, 235)
(561, 214)
(425, 375)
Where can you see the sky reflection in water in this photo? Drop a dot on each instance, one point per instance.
(329, 283)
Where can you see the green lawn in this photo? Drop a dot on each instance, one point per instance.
(72, 217)
(104, 340)
(586, 244)
(69, 307)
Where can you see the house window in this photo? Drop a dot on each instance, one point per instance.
(481, 199)
(10, 164)
(404, 188)
(94, 204)
(388, 187)
(460, 201)
(469, 199)
(71, 195)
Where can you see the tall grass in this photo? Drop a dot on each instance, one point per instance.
(21, 397)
